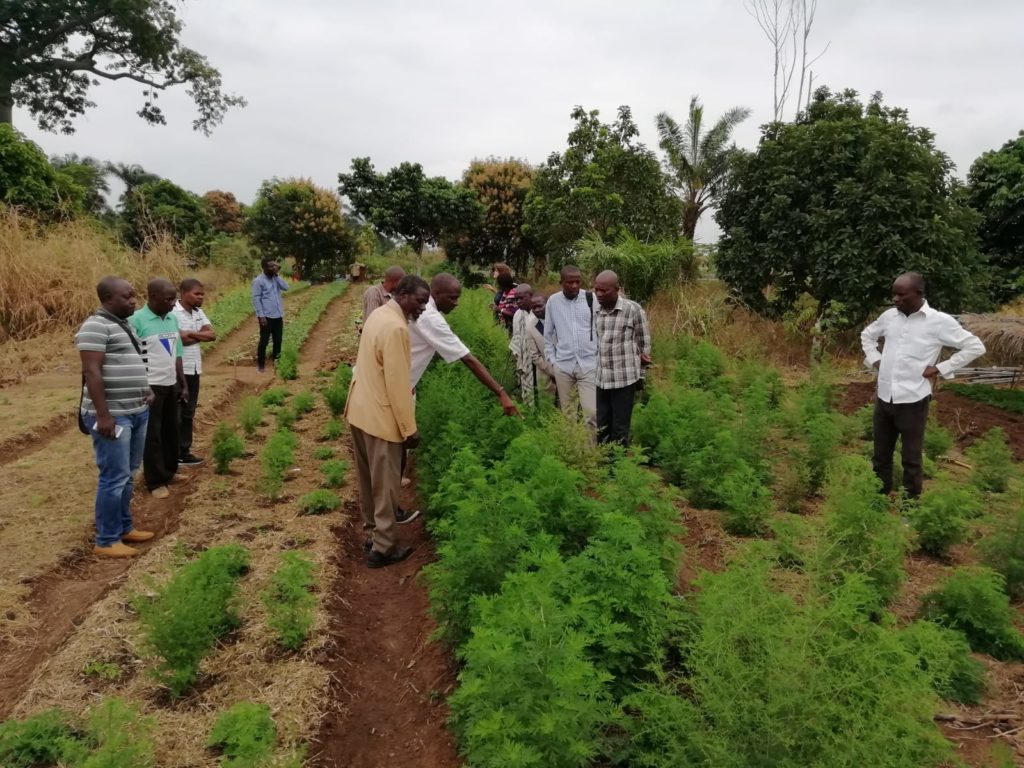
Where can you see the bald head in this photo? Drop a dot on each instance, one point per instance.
(162, 295)
(606, 288)
(117, 296)
(445, 289)
(392, 277)
(908, 292)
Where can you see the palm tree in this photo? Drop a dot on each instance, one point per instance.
(131, 176)
(698, 161)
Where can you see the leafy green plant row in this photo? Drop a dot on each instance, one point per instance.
(1007, 399)
(233, 308)
(297, 329)
(187, 615)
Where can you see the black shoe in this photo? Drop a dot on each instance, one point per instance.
(190, 460)
(376, 560)
(403, 516)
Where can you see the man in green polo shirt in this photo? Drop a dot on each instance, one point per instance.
(157, 329)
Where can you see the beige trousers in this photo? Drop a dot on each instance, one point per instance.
(379, 468)
(585, 385)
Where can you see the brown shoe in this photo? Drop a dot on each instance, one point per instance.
(117, 549)
(161, 492)
(134, 537)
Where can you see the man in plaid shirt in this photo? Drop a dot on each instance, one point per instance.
(623, 349)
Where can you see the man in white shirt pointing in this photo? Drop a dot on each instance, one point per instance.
(914, 337)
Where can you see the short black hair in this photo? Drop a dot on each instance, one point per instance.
(266, 260)
(411, 284)
(189, 283)
(569, 269)
(105, 288)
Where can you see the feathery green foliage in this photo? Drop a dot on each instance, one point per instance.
(973, 601)
(245, 735)
(277, 458)
(250, 414)
(226, 447)
(319, 502)
(992, 461)
(289, 602)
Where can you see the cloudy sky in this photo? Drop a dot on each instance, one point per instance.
(445, 81)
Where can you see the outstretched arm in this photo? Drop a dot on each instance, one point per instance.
(484, 377)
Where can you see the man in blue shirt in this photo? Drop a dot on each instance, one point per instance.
(570, 345)
(266, 300)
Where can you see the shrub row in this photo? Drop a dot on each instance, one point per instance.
(233, 308)
(297, 329)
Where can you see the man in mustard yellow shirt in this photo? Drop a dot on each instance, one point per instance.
(382, 415)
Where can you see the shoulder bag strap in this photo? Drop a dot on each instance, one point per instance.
(124, 327)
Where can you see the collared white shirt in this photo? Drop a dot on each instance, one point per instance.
(570, 338)
(431, 333)
(191, 356)
(912, 343)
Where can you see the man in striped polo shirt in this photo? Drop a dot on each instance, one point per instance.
(157, 329)
(195, 328)
(115, 400)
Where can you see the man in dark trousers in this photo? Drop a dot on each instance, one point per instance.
(914, 336)
(269, 308)
(195, 328)
(157, 330)
(115, 411)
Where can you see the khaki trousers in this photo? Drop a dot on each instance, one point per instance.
(585, 385)
(379, 468)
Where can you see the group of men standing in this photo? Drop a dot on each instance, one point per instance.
(140, 389)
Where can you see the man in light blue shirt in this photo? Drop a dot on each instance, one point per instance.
(266, 300)
(570, 345)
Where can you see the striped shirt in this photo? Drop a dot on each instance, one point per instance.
(375, 296)
(623, 335)
(191, 356)
(124, 374)
(570, 338)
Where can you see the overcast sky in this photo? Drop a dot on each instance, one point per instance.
(446, 81)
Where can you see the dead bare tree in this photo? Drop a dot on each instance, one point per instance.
(787, 25)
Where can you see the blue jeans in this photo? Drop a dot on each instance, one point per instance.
(118, 460)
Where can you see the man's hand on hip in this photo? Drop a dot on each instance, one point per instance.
(931, 372)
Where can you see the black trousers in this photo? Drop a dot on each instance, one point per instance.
(615, 414)
(187, 412)
(891, 422)
(274, 328)
(160, 456)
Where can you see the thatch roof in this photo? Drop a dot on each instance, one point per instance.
(1003, 336)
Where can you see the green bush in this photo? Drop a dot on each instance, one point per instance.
(937, 439)
(336, 393)
(642, 267)
(1007, 399)
(288, 600)
(323, 453)
(121, 735)
(860, 534)
(277, 458)
(245, 734)
(288, 362)
(790, 541)
(972, 601)
(48, 738)
(286, 417)
(226, 447)
(318, 503)
(746, 501)
(250, 414)
(189, 613)
(945, 657)
(992, 461)
(230, 310)
(334, 473)
(303, 403)
(1003, 550)
(275, 396)
(699, 364)
(333, 430)
(940, 516)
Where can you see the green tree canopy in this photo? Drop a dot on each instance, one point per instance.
(293, 217)
(28, 181)
(605, 182)
(996, 190)
(90, 175)
(698, 157)
(53, 53)
(840, 202)
(405, 203)
(225, 211)
(162, 208)
(501, 187)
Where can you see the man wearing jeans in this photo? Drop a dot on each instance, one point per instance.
(624, 348)
(115, 401)
(570, 344)
(266, 301)
(914, 336)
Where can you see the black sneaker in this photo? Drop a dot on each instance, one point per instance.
(403, 516)
(190, 460)
(376, 560)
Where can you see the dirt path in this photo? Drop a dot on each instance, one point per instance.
(60, 597)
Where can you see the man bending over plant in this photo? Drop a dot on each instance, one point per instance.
(914, 336)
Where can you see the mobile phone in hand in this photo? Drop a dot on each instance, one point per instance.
(118, 429)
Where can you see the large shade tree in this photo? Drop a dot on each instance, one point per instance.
(161, 208)
(840, 202)
(996, 191)
(605, 182)
(406, 203)
(53, 53)
(295, 218)
(697, 157)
